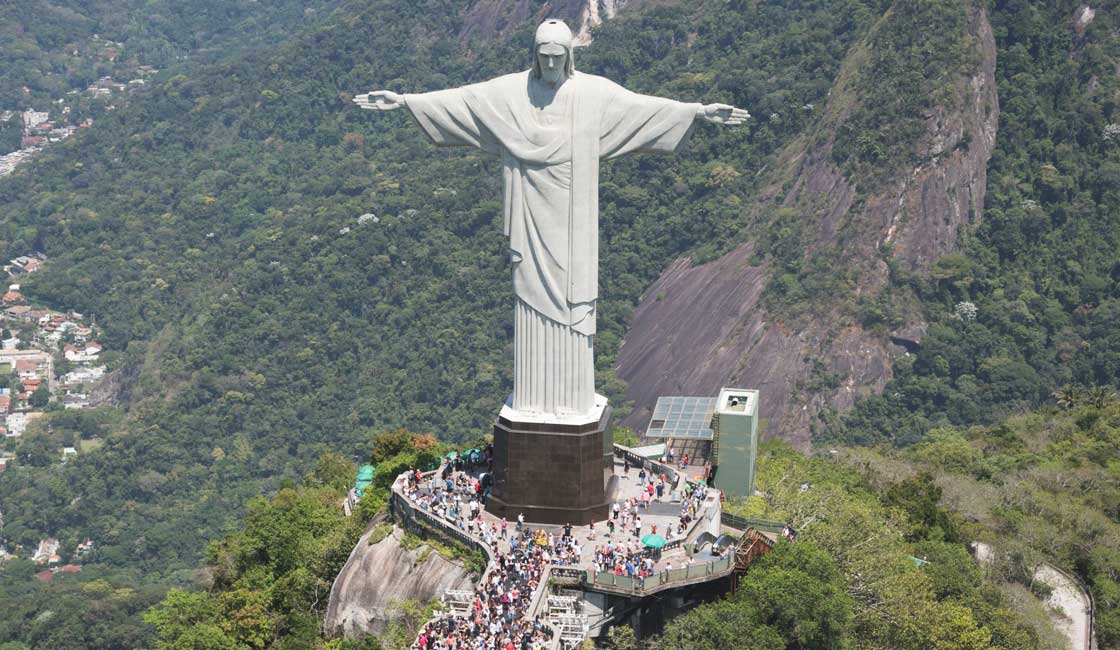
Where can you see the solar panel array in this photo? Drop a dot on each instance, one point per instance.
(682, 417)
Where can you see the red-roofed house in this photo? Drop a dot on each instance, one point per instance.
(46, 575)
(27, 368)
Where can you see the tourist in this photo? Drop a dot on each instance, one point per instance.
(497, 618)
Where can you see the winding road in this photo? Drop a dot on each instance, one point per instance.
(1066, 596)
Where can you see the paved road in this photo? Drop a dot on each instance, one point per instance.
(1066, 597)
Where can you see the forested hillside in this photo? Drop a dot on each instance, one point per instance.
(881, 558)
(288, 275)
(1030, 302)
(884, 180)
(1040, 487)
(285, 275)
(48, 47)
(216, 232)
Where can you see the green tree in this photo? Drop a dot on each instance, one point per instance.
(187, 621)
(333, 471)
(718, 626)
(40, 397)
(920, 497)
(390, 443)
(793, 598)
(622, 637)
(797, 589)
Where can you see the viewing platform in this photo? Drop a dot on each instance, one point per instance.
(700, 543)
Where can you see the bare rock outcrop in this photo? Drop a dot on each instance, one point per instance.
(700, 327)
(376, 575)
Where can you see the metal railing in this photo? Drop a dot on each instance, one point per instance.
(662, 579)
(567, 574)
(404, 510)
(641, 461)
(674, 478)
(743, 523)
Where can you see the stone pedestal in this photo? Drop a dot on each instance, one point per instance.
(554, 470)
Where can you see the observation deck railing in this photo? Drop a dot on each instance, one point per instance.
(402, 508)
(661, 580)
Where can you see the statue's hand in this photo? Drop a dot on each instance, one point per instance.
(380, 100)
(723, 114)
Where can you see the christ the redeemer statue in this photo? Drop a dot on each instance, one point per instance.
(551, 126)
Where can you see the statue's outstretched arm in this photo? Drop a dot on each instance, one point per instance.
(380, 100)
(722, 114)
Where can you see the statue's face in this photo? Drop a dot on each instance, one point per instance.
(553, 60)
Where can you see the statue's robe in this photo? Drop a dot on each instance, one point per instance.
(550, 149)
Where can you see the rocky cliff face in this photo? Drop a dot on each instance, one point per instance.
(700, 327)
(375, 575)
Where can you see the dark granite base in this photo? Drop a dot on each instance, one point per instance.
(553, 473)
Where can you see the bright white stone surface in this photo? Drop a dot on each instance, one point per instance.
(550, 126)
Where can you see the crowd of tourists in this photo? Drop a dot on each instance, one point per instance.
(498, 617)
(655, 487)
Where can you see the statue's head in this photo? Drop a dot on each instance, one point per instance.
(552, 50)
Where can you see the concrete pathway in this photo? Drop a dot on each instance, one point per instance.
(1066, 597)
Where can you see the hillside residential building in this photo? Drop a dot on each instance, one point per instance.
(84, 353)
(47, 551)
(17, 422)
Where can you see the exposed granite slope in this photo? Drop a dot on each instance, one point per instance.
(700, 327)
(375, 575)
